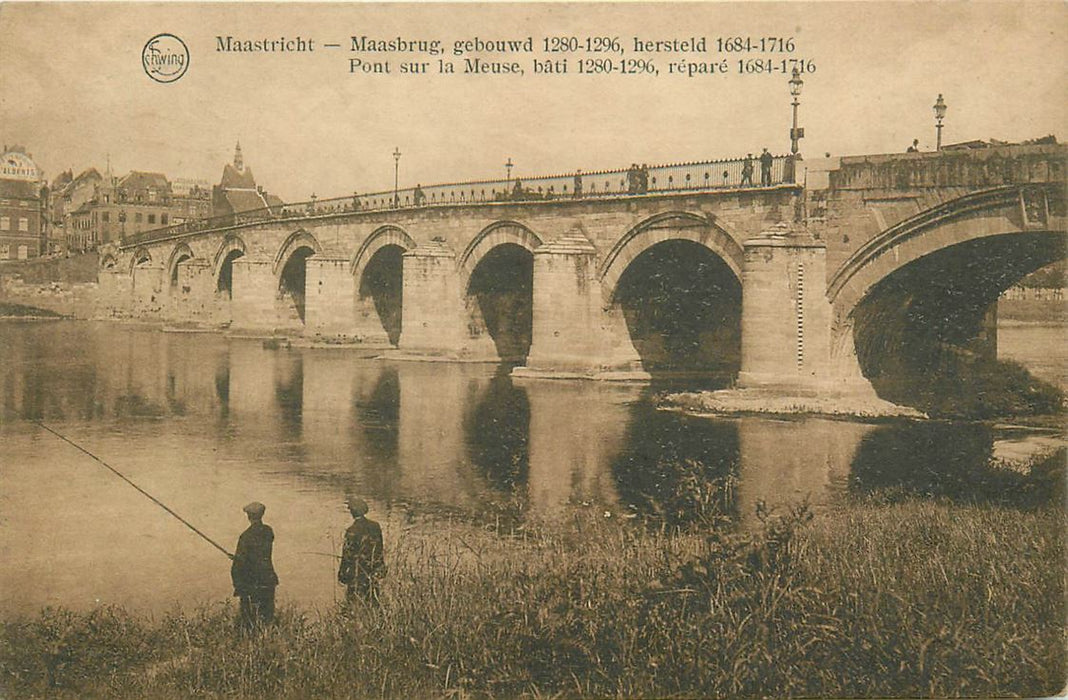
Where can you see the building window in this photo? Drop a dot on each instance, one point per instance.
(151, 218)
(137, 218)
(5, 223)
(5, 252)
(24, 224)
(163, 219)
(105, 216)
(24, 252)
(152, 195)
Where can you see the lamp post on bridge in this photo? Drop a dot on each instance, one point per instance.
(940, 114)
(396, 176)
(796, 134)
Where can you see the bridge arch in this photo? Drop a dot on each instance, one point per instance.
(497, 233)
(916, 303)
(290, 269)
(984, 214)
(109, 262)
(181, 252)
(231, 248)
(678, 225)
(141, 257)
(672, 284)
(378, 275)
(383, 236)
(296, 241)
(497, 278)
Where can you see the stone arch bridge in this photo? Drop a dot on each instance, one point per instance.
(786, 285)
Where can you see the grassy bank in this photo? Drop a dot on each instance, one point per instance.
(11, 310)
(912, 598)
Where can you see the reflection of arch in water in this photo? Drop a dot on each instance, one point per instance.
(377, 418)
(497, 430)
(676, 469)
(289, 395)
(925, 459)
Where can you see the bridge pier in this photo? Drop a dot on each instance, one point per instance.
(146, 289)
(329, 291)
(431, 324)
(573, 333)
(787, 322)
(253, 304)
(191, 299)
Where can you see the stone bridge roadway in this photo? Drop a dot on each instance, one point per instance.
(786, 285)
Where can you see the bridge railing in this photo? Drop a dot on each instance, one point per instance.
(599, 184)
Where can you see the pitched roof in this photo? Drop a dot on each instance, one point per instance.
(249, 200)
(139, 180)
(62, 180)
(232, 178)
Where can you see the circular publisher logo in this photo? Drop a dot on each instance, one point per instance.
(165, 58)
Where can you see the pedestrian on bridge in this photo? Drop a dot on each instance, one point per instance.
(765, 168)
(747, 170)
(252, 570)
(362, 558)
(915, 147)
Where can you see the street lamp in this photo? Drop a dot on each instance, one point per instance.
(940, 114)
(796, 134)
(508, 168)
(396, 176)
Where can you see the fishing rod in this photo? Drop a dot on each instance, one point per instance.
(122, 476)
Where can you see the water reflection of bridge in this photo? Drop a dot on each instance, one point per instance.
(456, 437)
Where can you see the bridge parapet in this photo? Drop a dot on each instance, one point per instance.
(601, 184)
(973, 168)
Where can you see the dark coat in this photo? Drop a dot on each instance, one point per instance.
(252, 568)
(362, 556)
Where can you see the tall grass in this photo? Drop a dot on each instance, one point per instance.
(911, 598)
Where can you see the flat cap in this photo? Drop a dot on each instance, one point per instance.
(357, 506)
(255, 508)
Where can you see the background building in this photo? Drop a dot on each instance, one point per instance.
(237, 191)
(23, 206)
(122, 207)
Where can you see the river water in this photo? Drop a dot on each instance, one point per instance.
(207, 423)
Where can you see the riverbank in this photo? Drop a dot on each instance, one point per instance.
(22, 312)
(891, 596)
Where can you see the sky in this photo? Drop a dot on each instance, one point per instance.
(73, 91)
